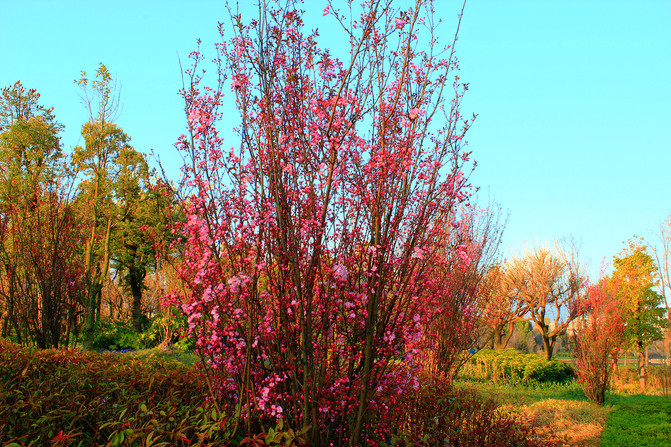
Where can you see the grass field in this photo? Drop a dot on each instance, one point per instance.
(625, 420)
(638, 420)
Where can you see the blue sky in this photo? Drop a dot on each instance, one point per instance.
(573, 97)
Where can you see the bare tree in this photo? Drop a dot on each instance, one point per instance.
(500, 309)
(661, 252)
(549, 283)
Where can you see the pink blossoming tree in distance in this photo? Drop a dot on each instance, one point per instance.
(312, 246)
(598, 337)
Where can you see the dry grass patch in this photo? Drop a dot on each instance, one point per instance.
(579, 422)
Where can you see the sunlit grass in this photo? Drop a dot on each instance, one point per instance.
(517, 393)
(561, 407)
(168, 354)
(638, 420)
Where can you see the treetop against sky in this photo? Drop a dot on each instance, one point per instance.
(572, 98)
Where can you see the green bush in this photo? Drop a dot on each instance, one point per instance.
(510, 365)
(116, 335)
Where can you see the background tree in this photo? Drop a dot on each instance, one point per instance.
(635, 277)
(549, 284)
(597, 337)
(143, 204)
(40, 276)
(500, 307)
(113, 175)
(661, 252)
(30, 146)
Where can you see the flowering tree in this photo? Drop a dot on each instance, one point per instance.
(597, 337)
(460, 283)
(310, 249)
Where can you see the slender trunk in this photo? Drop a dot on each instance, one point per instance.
(4, 319)
(135, 281)
(511, 328)
(136, 290)
(92, 293)
(647, 358)
(640, 354)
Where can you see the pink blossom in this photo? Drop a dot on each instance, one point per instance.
(340, 272)
(417, 253)
(400, 23)
(326, 10)
(234, 284)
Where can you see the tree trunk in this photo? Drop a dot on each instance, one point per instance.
(647, 358)
(136, 290)
(548, 342)
(92, 298)
(135, 280)
(640, 354)
(4, 323)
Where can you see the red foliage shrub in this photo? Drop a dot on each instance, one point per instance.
(597, 338)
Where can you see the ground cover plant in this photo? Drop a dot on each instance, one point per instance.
(439, 414)
(558, 409)
(69, 397)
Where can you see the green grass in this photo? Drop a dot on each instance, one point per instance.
(638, 420)
(516, 393)
(635, 419)
(168, 355)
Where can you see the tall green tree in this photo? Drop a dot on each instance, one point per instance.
(144, 205)
(30, 148)
(634, 278)
(123, 203)
(107, 164)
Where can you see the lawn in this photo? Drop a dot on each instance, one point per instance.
(625, 420)
(638, 420)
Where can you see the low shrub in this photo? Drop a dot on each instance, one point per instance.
(437, 414)
(69, 397)
(118, 335)
(510, 365)
(57, 397)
